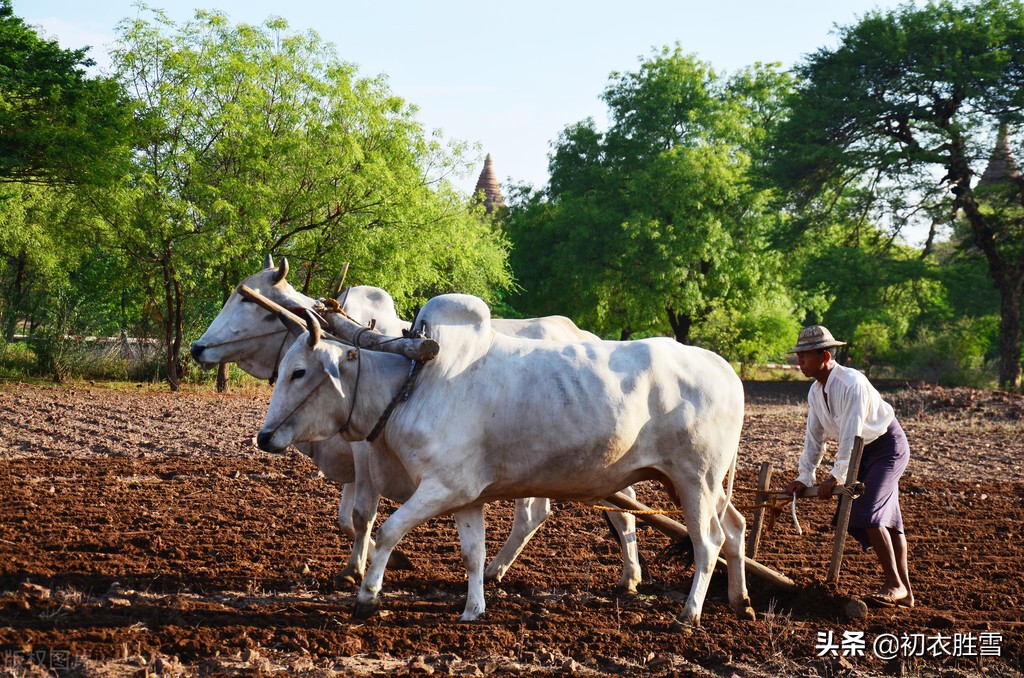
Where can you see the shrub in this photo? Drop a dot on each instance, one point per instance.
(16, 360)
(871, 343)
(956, 355)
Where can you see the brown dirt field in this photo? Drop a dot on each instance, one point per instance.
(142, 532)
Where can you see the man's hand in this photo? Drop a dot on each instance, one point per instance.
(826, 488)
(795, 487)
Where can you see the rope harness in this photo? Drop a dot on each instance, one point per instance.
(359, 373)
(402, 395)
(332, 306)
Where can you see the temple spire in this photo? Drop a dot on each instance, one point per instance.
(1001, 165)
(488, 183)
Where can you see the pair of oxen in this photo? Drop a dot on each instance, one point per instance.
(527, 410)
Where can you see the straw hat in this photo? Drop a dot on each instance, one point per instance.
(813, 338)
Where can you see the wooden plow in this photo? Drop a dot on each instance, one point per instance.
(675, 530)
(846, 495)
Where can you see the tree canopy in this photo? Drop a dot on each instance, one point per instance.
(902, 118)
(653, 224)
(253, 139)
(724, 209)
(56, 123)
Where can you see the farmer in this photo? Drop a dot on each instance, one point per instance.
(842, 405)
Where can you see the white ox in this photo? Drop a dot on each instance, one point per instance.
(496, 417)
(255, 339)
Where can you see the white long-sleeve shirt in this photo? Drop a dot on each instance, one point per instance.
(854, 408)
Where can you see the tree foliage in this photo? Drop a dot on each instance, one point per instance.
(252, 139)
(56, 123)
(902, 117)
(653, 224)
(725, 210)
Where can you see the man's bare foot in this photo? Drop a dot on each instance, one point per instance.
(890, 597)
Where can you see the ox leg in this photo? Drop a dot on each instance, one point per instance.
(530, 514)
(345, 511)
(430, 499)
(708, 536)
(734, 526)
(364, 498)
(625, 527)
(364, 513)
(470, 523)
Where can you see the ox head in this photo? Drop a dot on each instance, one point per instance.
(311, 397)
(245, 333)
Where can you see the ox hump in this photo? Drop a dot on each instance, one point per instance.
(461, 325)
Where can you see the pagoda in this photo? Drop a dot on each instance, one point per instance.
(1001, 165)
(488, 183)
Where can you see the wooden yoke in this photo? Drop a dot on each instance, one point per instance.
(345, 331)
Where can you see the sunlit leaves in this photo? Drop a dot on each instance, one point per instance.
(648, 227)
(900, 120)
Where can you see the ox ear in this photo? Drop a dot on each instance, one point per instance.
(268, 261)
(330, 365)
(282, 270)
(314, 328)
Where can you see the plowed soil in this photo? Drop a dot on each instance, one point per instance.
(142, 532)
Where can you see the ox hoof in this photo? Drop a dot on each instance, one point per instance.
(683, 628)
(346, 579)
(625, 591)
(363, 610)
(399, 561)
(745, 610)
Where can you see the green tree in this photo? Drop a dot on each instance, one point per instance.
(253, 139)
(902, 117)
(652, 225)
(43, 237)
(56, 124)
(761, 331)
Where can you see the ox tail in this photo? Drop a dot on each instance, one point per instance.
(731, 476)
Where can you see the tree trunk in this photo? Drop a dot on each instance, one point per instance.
(15, 298)
(1008, 275)
(681, 325)
(171, 320)
(1010, 334)
(179, 326)
(222, 369)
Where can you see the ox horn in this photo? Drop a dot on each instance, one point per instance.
(282, 270)
(314, 328)
(293, 325)
(268, 261)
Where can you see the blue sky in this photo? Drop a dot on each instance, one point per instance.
(507, 76)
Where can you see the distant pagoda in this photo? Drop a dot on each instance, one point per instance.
(488, 183)
(1001, 165)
